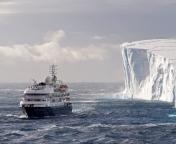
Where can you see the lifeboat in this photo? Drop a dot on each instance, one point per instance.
(63, 87)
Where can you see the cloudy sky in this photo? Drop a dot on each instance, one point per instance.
(81, 36)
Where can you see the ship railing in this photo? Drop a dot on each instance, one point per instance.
(57, 100)
(40, 100)
(60, 95)
(35, 95)
(34, 102)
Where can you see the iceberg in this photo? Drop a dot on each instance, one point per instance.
(149, 69)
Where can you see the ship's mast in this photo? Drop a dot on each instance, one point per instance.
(52, 71)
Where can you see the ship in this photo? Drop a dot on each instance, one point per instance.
(48, 98)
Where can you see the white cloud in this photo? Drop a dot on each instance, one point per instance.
(54, 36)
(52, 51)
(98, 37)
(68, 6)
(7, 7)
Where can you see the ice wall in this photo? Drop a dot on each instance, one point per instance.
(149, 69)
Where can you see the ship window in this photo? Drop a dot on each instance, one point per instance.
(36, 94)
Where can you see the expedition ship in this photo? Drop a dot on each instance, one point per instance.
(47, 98)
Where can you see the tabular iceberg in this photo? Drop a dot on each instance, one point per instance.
(149, 68)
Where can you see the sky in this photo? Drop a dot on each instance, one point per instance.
(82, 37)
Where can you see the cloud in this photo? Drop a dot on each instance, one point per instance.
(98, 37)
(77, 6)
(51, 51)
(54, 36)
(173, 37)
(6, 7)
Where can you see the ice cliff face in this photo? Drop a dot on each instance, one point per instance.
(149, 68)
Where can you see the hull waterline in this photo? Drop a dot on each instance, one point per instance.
(32, 112)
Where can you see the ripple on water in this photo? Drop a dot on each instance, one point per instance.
(94, 120)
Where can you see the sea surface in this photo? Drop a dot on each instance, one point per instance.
(98, 117)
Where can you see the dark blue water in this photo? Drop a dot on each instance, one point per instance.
(97, 118)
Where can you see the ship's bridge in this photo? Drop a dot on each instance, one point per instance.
(39, 91)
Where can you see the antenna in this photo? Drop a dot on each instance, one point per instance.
(35, 82)
(60, 82)
(52, 70)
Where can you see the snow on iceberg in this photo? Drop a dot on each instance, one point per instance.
(149, 68)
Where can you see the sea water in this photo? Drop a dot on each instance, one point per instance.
(97, 117)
